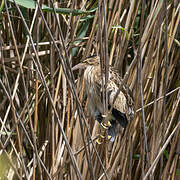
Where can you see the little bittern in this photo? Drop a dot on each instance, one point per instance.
(122, 109)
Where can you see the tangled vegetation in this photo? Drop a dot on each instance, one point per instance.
(46, 131)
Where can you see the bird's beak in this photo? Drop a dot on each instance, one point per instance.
(79, 66)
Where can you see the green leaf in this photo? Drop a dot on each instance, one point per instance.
(31, 4)
(1, 7)
(122, 29)
(25, 15)
(136, 156)
(86, 18)
(177, 172)
(81, 34)
(166, 154)
(7, 133)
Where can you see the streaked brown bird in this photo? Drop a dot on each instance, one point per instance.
(123, 107)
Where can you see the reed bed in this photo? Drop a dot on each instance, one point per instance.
(46, 131)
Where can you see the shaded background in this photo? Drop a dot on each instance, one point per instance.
(46, 131)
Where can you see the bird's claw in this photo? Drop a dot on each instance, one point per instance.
(109, 137)
(106, 126)
(102, 138)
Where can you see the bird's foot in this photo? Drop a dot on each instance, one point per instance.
(106, 125)
(102, 138)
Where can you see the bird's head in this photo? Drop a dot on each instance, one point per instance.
(90, 61)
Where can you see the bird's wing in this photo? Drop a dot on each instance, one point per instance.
(120, 102)
(124, 102)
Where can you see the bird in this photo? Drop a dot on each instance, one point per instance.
(122, 109)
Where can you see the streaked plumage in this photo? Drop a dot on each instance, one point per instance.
(122, 111)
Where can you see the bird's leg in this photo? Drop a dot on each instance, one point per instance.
(104, 121)
(98, 116)
(107, 116)
(104, 127)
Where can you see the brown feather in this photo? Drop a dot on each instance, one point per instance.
(122, 108)
(92, 76)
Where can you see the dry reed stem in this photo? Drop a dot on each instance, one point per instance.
(52, 133)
